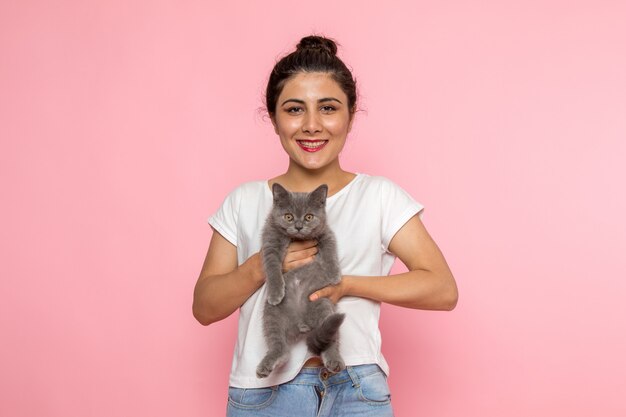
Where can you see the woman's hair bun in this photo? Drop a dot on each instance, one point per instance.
(313, 54)
(318, 42)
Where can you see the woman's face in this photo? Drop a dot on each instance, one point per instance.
(312, 119)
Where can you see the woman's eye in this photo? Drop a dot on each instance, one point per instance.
(294, 110)
(328, 109)
(308, 217)
(288, 217)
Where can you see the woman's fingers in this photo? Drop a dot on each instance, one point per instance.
(299, 245)
(299, 253)
(306, 253)
(291, 263)
(333, 292)
(295, 264)
(300, 250)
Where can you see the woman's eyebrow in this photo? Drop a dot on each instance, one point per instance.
(295, 100)
(329, 99)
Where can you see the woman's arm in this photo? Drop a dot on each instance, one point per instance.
(223, 286)
(428, 285)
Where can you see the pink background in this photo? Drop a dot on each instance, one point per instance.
(124, 124)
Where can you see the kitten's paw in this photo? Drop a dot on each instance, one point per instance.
(263, 371)
(269, 362)
(274, 300)
(275, 297)
(334, 363)
(265, 367)
(303, 328)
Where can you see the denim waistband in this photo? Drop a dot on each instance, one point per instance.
(317, 375)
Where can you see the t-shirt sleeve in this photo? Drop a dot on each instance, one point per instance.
(224, 220)
(397, 208)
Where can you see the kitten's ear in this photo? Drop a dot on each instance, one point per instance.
(318, 196)
(279, 192)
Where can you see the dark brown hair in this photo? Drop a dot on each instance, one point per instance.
(313, 54)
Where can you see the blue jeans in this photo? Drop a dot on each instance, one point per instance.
(359, 390)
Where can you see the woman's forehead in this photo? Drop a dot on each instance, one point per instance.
(312, 86)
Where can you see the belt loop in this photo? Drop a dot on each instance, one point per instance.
(356, 382)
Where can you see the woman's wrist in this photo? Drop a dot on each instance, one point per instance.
(361, 286)
(347, 281)
(252, 270)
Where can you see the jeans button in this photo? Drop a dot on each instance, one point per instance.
(324, 375)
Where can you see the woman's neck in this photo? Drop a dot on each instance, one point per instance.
(299, 179)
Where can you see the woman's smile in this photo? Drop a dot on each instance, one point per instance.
(312, 145)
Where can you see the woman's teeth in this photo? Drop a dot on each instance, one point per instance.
(312, 146)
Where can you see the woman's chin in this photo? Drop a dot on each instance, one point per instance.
(313, 164)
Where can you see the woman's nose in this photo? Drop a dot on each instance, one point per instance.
(311, 123)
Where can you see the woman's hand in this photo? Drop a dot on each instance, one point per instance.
(333, 292)
(299, 253)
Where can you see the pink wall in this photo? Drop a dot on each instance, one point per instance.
(124, 124)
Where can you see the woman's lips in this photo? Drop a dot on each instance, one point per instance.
(312, 145)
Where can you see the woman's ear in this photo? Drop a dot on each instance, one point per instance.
(273, 119)
(351, 121)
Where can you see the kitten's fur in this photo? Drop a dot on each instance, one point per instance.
(288, 313)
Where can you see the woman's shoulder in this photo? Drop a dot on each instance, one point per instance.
(249, 187)
(370, 180)
(379, 186)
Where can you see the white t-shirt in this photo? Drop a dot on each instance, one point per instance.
(364, 215)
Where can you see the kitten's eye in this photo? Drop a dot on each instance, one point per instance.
(308, 217)
(288, 217)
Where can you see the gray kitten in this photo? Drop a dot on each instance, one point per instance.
(289, 314)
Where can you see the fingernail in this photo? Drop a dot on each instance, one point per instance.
(313, 297)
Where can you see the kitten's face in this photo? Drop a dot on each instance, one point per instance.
(300, 215)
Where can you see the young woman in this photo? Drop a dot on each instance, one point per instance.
(311, 100)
